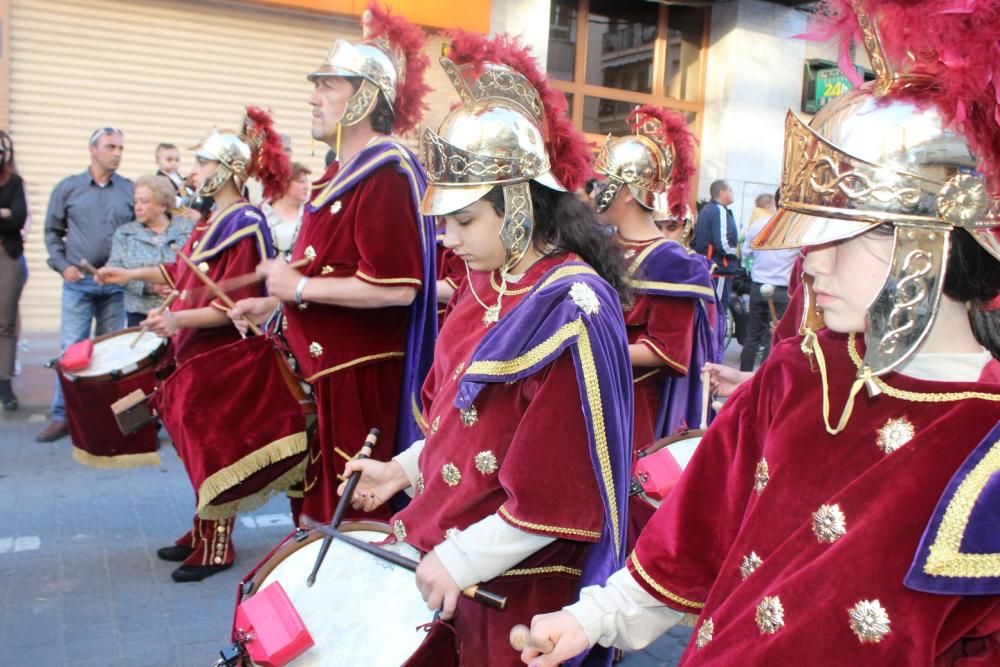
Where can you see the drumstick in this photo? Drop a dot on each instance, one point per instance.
(236, 282)
(210, 284)
(159, 311)
(521, 638)
(476, 593)
(338, 514)
(706, 393)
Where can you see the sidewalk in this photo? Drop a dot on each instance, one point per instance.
(80, 583)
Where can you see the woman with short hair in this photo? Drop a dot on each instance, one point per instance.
(153, 238)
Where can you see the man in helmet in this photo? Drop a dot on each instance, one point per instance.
(360, 316)
(842, 508)
(229, 241)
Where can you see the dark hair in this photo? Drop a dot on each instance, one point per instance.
(382, 117)
(973, 276)
(564, 223)
(164, 147)
(9, 165)
(716, 188)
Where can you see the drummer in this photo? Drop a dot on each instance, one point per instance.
(360, 316)
(521, 480)
(672, 317)
(228, 241)
(842, 510)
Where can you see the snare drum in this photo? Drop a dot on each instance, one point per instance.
(656, 471)
(237, 416)
(353, 591)
(116, 369)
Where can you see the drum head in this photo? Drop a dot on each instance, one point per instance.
(114, 353)
(361, 610)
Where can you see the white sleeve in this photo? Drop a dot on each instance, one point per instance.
(409, 459)
(622, 613)
(486, 549)
(724, 231)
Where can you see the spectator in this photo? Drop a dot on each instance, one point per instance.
(764, 207)
(768, 267)
(286, 145)
(153, 238)
(716, 237)
(284, 215)
(84, 211)
(13, 214)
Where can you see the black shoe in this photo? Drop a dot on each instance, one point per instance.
(196, 572)
(175, 553)
(7, 397)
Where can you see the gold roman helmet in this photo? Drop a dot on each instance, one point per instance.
(868, 159)
(494, 139)
(233, 152)
(379, 66)
(639, 162)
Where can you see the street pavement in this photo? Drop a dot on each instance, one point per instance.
(80, 583)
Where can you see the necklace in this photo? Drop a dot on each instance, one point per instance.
(492, 314)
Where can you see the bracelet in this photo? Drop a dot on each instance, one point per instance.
(300, 288)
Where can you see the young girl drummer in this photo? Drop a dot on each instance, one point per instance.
(842, 508)
(521, 481)
(231, 240)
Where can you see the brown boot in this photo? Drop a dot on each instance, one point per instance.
(56, 429)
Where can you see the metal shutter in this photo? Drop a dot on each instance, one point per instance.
(160, 71)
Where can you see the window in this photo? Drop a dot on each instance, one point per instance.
(608, 56)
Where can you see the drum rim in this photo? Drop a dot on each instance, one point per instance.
(135, 367)
(657, 445)
(290, 545)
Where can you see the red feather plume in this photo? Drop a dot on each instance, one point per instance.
(409, 40)
(269, 165)
(676, 134)
(569, 152)
(948, 52)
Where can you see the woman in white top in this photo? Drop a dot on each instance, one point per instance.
(284, 215)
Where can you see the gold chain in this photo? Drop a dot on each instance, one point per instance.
(917, 397)
(506, 290)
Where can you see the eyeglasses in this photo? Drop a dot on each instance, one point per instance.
(101, 131)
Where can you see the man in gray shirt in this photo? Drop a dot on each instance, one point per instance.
(84, 211)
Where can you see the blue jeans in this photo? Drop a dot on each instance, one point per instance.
(83, 302)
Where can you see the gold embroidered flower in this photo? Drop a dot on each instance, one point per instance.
(469, 415)
(750, 563)
(399, 530)
(309, 253)
(315, 349)
(458, 370)
(770, 616)
(829, 523)
(585, 298)
(705, 633)
(630, 253)
(451, 474)
(869, 621)
(761, 476)
(436, 424)
(450, 533)
(203, 267)
(894, 434)
(335, 208)
(420, 483)
(486, 462)
(325, 270)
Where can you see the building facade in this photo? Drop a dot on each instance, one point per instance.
(170, 70)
